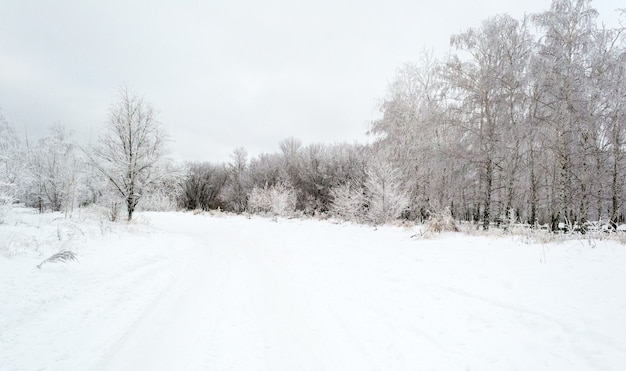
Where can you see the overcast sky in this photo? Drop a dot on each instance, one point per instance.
(224, 74)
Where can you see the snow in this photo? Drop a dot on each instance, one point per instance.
(216, 292)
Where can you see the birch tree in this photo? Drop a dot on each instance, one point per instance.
(413, 133)
(569, 27)
(487, 79)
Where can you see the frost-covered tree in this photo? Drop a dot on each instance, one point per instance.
(313, 179)
(9, 159)
(130, 149)
(238, 185)
(610, 84)
(414, 133)
(9, 165)
(291, 158)
(348, 202)
(487, 79)
(267, 169)
(386, 195)
(569, 27)
(53, 169)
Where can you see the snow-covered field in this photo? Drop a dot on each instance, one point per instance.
(177, 291)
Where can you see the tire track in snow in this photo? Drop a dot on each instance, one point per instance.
(89, 306)
(152, 339)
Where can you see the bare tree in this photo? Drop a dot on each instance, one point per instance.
(203, 185)
(130, 148)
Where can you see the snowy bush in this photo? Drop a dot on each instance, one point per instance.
(158, 202)
(279, 200)
(259, 200)
(348, 202)
(283, 200)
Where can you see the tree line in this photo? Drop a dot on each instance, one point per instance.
(525, 120)
(344, 180)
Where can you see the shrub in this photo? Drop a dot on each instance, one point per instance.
(442, 221)
(278, 200)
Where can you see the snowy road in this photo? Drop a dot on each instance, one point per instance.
(235, 304)
(229, 293)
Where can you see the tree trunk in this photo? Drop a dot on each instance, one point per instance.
(489, 181)
(533, 191)
(131, 202)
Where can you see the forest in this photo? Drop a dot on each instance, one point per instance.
(523, 121)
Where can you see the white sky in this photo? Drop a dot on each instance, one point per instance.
(224, 74)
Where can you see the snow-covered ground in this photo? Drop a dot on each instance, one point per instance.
(177, 291)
